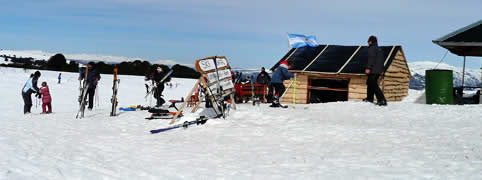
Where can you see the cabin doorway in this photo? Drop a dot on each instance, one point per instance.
(328, 90)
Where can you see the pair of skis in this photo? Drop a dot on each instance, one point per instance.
(115, 86)
(83, 95)
(254, 98)
(219, 100)
(199, 121)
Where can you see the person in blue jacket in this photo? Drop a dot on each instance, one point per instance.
(279, 76)
(27, 90)
(60, 77)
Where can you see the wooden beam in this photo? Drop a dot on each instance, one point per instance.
(198, 103)
(291, 54)
(332, 74)
(233, 102)
(327, 88)
(185, 101)
(315, 58)
(351, 57)
(211, 95)
(390, 54)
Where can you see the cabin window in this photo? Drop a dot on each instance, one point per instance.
(328, 90)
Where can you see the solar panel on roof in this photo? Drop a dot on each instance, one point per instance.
(334, 57)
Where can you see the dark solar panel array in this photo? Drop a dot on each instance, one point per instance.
(334, 57)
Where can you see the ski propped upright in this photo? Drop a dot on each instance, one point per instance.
(83, 96)
(115, 86)
(219, 90)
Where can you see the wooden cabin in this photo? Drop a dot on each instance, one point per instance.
(329, 73)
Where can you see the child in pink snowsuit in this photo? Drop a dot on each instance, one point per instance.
(46, 99)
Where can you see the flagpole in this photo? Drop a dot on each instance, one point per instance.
(287, 34)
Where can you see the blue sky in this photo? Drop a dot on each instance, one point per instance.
(251, 33)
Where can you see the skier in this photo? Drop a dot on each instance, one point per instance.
(279, 76)
(29, 88)
(263, 77)
(46, 98)
(156, 77)
(93, 78)
(60, 74)
(373, 70)
(233, 77)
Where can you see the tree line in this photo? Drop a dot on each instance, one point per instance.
(58, 62)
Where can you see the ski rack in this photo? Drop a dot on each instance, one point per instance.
(210, 78)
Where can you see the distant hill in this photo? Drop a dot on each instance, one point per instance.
(104, 64)
(80, 58)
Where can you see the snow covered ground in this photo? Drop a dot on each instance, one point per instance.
(340, 140)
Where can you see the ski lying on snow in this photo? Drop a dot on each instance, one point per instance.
(199, 121)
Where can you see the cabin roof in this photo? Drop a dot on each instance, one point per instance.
(335, 58)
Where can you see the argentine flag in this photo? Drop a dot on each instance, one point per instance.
(299, 40)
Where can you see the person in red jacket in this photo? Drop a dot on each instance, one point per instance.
(46, 99)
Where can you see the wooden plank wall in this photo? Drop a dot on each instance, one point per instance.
(397, 77)
(394, 84)
(301, 91)
(357, 88)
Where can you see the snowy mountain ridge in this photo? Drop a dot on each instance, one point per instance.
(417, 69)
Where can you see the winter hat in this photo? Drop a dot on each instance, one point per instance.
(37, 73)
(284, 64)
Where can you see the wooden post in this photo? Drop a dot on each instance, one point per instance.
(185, 102)
(232, 101)
(205, 85)
(198, 103)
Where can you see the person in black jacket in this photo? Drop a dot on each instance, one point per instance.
(374, 68)
(263, 77)
(156, 78)
(93, 78)
(27, 90)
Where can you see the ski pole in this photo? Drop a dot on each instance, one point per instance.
(286, 90)
(96, 99)
(294, 92)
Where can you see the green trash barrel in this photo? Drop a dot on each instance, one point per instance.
(439, 86)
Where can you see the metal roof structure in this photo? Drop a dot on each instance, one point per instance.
(466, 41)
